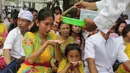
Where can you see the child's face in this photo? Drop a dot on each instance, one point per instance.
(73, 55)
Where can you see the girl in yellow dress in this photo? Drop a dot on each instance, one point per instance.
(40, 45)
(72, 63)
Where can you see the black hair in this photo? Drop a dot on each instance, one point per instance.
(117, 26)
(57, 8)
(0, 19)
(125, 30)
(72, 46)
(60, 23)
(125, 16)
(32, 10)
(14, 14)
(80, 35)
(42, 15)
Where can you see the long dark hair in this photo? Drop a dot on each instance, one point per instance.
(14, 16)
(80, 36)
(117, 26)
(42, 15)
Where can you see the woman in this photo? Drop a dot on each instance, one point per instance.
(64, 30)
(119, 27)
(76, 33)
(3, 32)
(38, 45)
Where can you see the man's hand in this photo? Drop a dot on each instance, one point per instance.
(81, 5)
(86, 5)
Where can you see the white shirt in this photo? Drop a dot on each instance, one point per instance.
(104, 52)
(14, 42)
(6, 21)
(110, 10)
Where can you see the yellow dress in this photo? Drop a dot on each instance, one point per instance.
(64, 63)
(127, 50)
(31, 43)
(3, 31)
(121, 68)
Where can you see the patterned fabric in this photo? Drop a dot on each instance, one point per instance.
(121, 69)
(64, 63)
(31, 43)
(2, 63)
(3, 31)
(127, 50)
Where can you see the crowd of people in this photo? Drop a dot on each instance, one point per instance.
(41, 42)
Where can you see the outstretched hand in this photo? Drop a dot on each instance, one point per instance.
(55, 42)
(86, 5)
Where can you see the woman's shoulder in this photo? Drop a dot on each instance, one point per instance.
(29, 33)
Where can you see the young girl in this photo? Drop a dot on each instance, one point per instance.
(72, 63)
